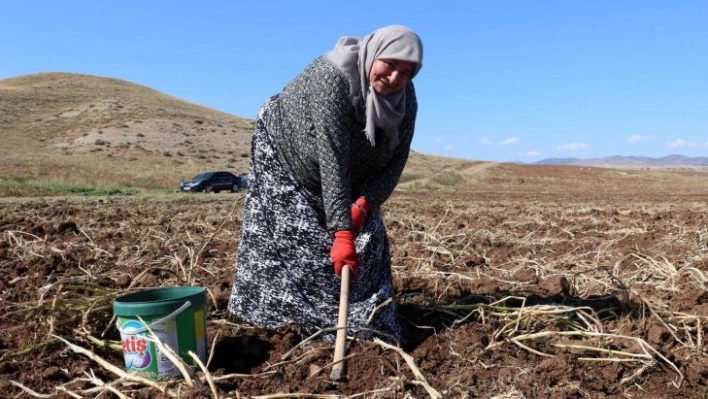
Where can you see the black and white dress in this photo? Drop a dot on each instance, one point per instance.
(283, 270)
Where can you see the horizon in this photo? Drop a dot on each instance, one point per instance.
(666, 161)
(515, 82)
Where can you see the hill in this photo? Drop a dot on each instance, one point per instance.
(75, 129)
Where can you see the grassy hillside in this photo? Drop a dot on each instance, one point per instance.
(85, 130)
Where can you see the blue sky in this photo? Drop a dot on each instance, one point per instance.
(501, 81)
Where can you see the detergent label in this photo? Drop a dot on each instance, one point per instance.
(142, 358)
(137, 349)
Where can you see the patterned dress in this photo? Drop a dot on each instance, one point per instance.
(284, 274)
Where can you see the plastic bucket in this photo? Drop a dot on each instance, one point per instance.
(174, 315)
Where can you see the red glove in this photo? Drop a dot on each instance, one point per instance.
(343, 252)
(360, 210)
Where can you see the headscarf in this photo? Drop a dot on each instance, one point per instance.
(354, 57)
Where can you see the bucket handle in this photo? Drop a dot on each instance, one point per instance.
(172, 315)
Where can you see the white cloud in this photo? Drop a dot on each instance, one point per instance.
(531, 153)
(636, 138)
(449, 147)
(438, 139)
(507, 141)
(682, 143)
(676, 143)
(574, 146)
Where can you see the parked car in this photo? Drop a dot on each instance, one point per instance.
(213, 182)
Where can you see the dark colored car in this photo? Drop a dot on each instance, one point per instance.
(213, 182)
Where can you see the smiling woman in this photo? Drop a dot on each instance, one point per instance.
(389, 76)
(327, 153)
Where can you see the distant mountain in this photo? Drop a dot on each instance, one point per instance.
(629, 162)
(558, 161)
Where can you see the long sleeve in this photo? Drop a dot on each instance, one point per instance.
(312, 125)
(332, 128)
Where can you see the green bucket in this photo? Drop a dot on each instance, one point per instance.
(174, 315)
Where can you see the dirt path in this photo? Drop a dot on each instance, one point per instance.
(469, 170)
(478, 168)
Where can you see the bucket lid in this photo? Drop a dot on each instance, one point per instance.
(158, 301)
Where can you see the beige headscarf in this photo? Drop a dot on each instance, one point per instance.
(355, 56)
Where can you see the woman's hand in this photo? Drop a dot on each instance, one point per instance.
(360, 209)
(343, 252)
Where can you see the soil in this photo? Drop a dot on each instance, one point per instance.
(613, 286)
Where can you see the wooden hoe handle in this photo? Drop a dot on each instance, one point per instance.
(340, 343)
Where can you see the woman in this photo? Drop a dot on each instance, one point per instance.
(327, 152)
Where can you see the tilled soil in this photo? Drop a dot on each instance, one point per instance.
(530, 296)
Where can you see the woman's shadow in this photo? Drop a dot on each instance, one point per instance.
(240, 354)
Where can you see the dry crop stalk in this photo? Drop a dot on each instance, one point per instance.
(28, 350)
(102, 386)
(434, 394)
(650, 354)
(29, 391)
(114, 345)
(207, 376)
(169, 353)
(108, 366)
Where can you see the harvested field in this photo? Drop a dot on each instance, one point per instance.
(536, 294)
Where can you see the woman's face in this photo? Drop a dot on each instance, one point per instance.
(389, 76)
